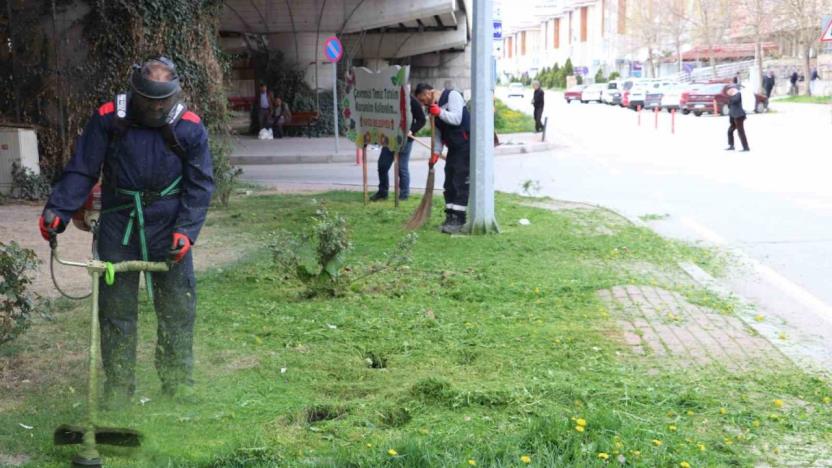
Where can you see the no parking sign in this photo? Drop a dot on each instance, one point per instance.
(333, 49)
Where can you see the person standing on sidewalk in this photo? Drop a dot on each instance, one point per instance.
(385, 160)
(265, 107)
(737, 118)
(537, 102)
(453, 127)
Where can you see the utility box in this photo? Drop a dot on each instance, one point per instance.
(17, 145)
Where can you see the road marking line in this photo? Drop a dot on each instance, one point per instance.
(814, 304)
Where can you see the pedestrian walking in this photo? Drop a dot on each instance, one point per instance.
(793, 80)
(385, 160)
(737, 118)
(156, 188)
(453, 127)
(537, 102)
(280, 116)
(768, 83)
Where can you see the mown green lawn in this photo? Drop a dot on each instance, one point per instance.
(807, 99)
(487, 350)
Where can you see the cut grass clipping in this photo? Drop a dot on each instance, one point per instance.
(491, 350)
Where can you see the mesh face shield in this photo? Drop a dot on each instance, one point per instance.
(151, 100)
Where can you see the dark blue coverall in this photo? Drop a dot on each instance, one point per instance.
(138, 159)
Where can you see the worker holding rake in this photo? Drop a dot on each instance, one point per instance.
(452, 130)
(156, 188)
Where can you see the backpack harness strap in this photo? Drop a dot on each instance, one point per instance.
(141, 199)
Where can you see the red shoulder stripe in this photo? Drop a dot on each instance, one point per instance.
(107, 108)
(191, 117)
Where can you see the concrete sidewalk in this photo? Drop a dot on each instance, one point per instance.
(248, 150)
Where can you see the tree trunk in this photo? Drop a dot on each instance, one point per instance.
(806, 76)
(758, 53)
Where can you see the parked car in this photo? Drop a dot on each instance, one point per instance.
(626, 89)
(612, 93)
(701, 101)
(592, 93)
(675, 96)
(573, 93)
(516, 89)
(655, 91)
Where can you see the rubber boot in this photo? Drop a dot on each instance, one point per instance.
(448, 216)
(457, 220)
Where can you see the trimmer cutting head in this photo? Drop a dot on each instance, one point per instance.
(121, 437)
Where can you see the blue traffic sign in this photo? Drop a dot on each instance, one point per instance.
(498, 29)
(333, 49)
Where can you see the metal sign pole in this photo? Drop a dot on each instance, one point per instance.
(335, 102)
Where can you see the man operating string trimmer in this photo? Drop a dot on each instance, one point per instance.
(156, 190)
(452, 130)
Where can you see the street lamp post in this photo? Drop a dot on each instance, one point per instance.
(481, 218)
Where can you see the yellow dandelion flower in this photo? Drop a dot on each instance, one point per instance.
(392, 452)
(723, 411)
(657, 442)
(782, 336)
(827, 400)
(755, 423)
(579, 428)
(472, 462)
(581, 422)
(537, 290)
(618, 445)
(701, 447)
(636, 453)
(759, 318)
(671, 428)
(369, 445)
(778, 403)
(526, 459)
(690, 413)
(728, 441)
(603, 456)
(684, 464)
(775, 450)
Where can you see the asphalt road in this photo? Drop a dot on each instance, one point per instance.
(771, 207)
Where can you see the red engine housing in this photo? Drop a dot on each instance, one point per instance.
(89, 213)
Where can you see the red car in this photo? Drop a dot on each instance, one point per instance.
(701, 100)
(574, 93)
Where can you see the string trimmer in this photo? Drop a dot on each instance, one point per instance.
(88, 434)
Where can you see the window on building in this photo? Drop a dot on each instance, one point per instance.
(622, 16)
(523, 43)
(584, 14)
(603, 16)
(570, 28)
(557, 33)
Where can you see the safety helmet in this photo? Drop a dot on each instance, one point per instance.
(151, 100)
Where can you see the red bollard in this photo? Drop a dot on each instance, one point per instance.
(672, 121)
(638, 112)
(357, 156)
(656, 115)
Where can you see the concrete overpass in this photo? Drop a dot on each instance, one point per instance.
(430, 35)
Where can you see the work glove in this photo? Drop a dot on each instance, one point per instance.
(433, 159)
(434, 110)
(180, 247)
(50, 225)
